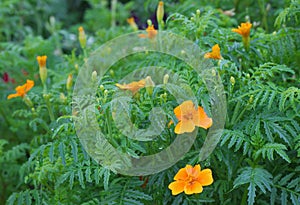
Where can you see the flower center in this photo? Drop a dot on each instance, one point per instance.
(188, 116)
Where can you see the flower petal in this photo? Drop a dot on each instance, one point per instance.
(184, 126)
(13, 96)
(177, 187)
(29, 84)
(205, 177)
(194, 171)
(181, 174)
(201, 119)
(183, 109)
(193, 188)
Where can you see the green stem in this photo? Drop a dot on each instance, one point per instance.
(244, 199)
(48, 104)
(113, 12)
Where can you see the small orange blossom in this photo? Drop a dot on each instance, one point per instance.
(132, 23)
(151, 32)
(22, 90)
(244, 29)
(133, 86)
(191, 180)
(41, 61)
(189, 117)
(215, 54)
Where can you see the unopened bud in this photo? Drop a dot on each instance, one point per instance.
(112, 73)
(42, 68)
(94, 76)
(213, 72)
(76, 66)
(69, 82)
(192, 18)
(198, 12)
(101, 88)
(251, 99)
(166, 79)
(247, 75)
(232, 80)
(62, 98)
(82, 37)
(160, 12)
(149, 22)
(165, 95)
(105, 93)
(149, 84)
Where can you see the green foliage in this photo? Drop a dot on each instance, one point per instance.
(255, 177)
(42, 161)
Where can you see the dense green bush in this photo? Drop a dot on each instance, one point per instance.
(257, 160)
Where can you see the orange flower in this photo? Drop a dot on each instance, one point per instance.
(151, 32)
(22, 90)
(215, 54)
(41, 61)
(133, 86)
(189, 117)
(132, 23)
(191, 180)
(243, 30)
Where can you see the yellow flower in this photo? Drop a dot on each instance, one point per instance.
(22, 90)
(132, 23)
(82, 37)
(215, 54)
(191, 180)
(151, 32)
(42, 68)
(243, 30)
(189, 118)
(133, 86)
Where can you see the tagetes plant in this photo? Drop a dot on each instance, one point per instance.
(22, 90)
(191, 180)
(189, 117)
(151, 32)
(133, 86)
(215, 54)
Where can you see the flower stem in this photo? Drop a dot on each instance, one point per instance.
(113, 12)
(48, 104)
(246, 42)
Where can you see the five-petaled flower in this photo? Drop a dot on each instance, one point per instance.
(215, 54)
(133, 86)
(244, 29)
(189, 117)
(191, 180)
(22, 90)
(151, 32)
